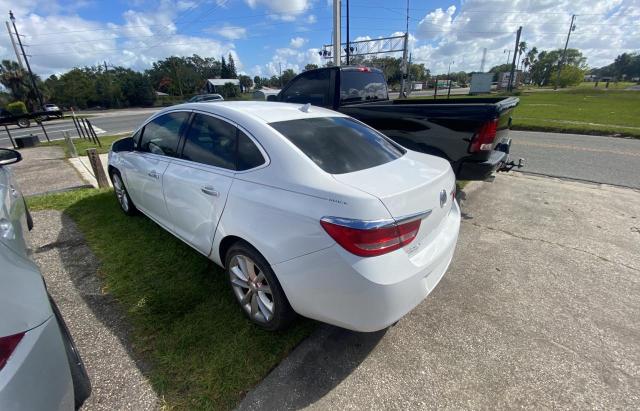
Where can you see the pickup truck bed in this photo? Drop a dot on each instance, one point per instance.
(443, 128)
(472, 133)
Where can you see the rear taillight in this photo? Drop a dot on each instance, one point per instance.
(371, 242)
(7, 345)
(483, 140)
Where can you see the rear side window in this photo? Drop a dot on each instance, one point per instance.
(249, 156)
(211, 141)
(161, 135)
(339, 144)
(311, 87)
(358, 86)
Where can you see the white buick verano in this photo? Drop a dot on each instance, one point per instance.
(308, 210)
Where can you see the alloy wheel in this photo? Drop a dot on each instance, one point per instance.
(121, 193)
(251, 288)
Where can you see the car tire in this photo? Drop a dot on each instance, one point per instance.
(256, 288)
(79, 375)
(122, 195)
(23, 123)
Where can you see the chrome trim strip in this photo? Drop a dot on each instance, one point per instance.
(374, 224)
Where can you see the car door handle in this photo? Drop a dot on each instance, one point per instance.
(210, 191)
(153, 174)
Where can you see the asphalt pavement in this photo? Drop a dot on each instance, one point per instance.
(106, 122)
(538, 310)
(609, 160)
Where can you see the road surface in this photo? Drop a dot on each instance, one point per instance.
(610, 160)
(106, 122)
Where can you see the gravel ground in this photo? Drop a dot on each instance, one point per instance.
(538, 310)
(98, 325)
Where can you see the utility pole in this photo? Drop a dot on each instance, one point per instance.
(484, 59)
(348, 49)
(15, 47)
(508, 54)
(404, 56)
(513, 64)
(337, 38)
(564, 53)
(280, 71)
(26, 60)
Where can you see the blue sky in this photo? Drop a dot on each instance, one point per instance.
(263, 34)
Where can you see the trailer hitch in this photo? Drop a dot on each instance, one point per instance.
(510, 165)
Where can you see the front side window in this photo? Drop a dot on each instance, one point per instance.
(162, 134)
(339, 144)
(211, 141)
(311, 87)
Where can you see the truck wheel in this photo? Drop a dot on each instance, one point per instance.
(24, 123)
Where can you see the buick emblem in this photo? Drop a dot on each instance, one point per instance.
(443, 198)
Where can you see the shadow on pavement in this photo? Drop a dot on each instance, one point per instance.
(313, 369)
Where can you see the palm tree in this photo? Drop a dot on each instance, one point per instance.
(522, 47)
(532, 56)
(14, 78)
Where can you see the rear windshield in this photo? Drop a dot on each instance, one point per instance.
(339, 144)
(358, 86)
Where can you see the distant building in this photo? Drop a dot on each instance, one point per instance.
(590, 77)
(214, 85)
(264, 92)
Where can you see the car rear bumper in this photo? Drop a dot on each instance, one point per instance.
(37, 375)
(367, 294)
(481, 170)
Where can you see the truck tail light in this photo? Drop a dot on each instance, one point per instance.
(7, 346)
(483, 140)
(372, 241)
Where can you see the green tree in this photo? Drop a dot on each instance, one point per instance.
(245, 82)
(224, 68)
(547, 61)
(569, 76)
(287, 76)
(229, 90)
(257, 81)
(231, 66)
(15, 79)
(310, 67)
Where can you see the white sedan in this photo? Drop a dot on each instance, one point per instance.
(308, 210)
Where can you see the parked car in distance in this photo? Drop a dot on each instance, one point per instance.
(205, 97)
(472, 134)
(40, 367)
(52, 110)
(308, 210)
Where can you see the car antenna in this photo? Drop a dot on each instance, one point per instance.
(306, 108)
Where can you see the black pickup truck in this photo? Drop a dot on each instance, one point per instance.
(470, 133)
(23, 120)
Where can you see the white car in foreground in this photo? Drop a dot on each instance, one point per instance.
(308, 210)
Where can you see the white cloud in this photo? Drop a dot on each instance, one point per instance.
(310, 19)
(297, 42)
(604, 30)
(285, 10)
(58, 42)
(232, 32)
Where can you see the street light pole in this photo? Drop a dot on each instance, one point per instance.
(564, 53)
(26, 60)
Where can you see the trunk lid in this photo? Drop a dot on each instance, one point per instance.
(409, 185)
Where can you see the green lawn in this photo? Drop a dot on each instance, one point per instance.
(580, 110)
(203, 353)
(583, 110)
(82, 145)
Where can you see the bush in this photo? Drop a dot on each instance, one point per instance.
(229, 90)
(569, 76)
(17, 107)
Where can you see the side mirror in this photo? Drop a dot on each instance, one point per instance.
(125, 144)
(272, 97)
(8, 156)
